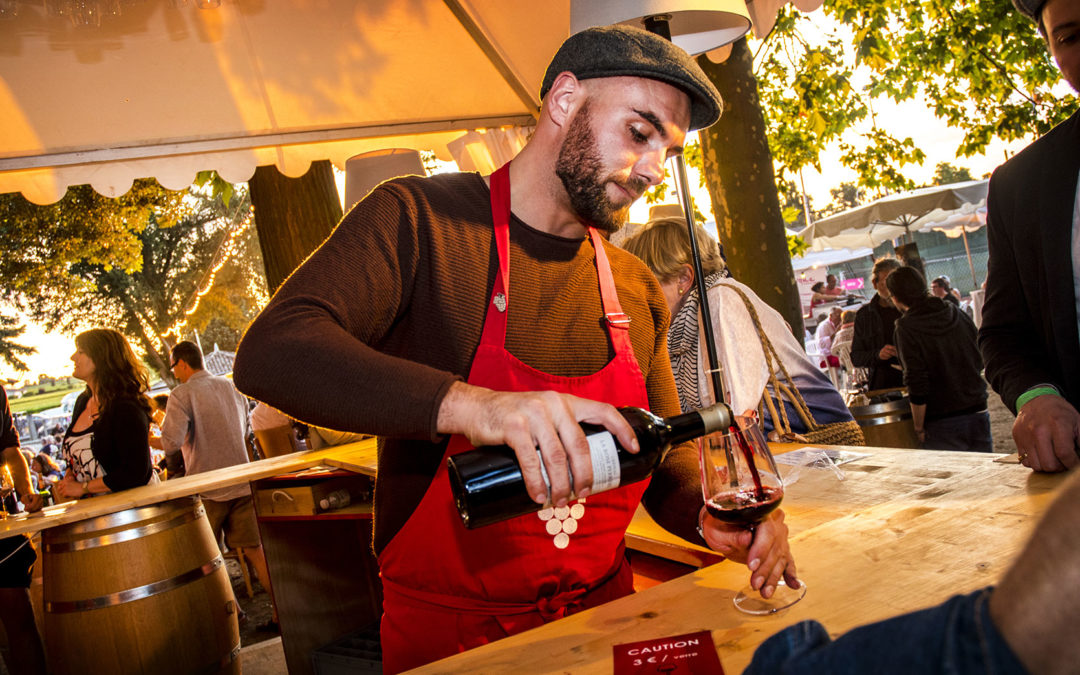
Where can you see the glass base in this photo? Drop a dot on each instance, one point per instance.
(750, 601)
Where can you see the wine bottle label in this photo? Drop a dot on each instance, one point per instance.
(606, 470)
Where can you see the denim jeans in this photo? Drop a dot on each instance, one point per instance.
(953, 638)
(963, 432)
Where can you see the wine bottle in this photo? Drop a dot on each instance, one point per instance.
(488, 486)
(338, 499)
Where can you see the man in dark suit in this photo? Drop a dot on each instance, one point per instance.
(1029, 336)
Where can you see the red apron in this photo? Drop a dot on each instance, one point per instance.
(448, 589)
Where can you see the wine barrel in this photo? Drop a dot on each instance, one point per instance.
(887, 423)
(140, 591)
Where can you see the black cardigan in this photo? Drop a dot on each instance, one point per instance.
(121, 442)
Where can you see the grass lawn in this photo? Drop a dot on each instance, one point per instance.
(40, 402)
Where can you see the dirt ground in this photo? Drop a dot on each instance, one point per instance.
(257, 608)
(1001, 420)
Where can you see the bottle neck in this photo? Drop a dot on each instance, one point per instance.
(697, 423)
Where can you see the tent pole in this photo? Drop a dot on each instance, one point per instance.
(967, 249)
(715, 369)
(659, 26)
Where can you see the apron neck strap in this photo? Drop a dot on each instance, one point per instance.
(617, 323)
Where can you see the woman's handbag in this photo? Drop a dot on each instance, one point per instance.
(834, 433)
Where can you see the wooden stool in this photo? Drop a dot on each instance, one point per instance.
(238, 554)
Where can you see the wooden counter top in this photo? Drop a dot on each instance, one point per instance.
(906, 529)
(359, 457)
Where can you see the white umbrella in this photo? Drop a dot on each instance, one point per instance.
(959, 224)
(895, 215)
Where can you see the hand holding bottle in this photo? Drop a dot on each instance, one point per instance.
(540, 426)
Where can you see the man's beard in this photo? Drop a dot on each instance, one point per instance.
(579, 167)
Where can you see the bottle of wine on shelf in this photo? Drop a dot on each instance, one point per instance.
(488, 486)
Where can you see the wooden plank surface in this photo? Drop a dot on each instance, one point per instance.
(358, 456)
(906, 529)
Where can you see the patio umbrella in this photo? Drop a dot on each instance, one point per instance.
(896, 215)
(958, 225)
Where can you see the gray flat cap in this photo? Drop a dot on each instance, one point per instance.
(1030, 8)
(614, 51)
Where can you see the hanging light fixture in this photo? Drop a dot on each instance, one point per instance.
(697, 26)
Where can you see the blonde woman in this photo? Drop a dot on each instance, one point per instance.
(664, 246)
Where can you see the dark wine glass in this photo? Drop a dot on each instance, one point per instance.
(742, 486)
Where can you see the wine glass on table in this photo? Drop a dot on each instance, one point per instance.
(7, 492)
(742, 486)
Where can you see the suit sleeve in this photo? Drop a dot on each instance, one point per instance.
(1006, 338)
(863, 353)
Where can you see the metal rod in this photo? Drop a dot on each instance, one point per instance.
(967, 249)
(659, 25)
(716, 370)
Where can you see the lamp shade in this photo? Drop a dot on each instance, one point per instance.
(696, 25)
(364, 172)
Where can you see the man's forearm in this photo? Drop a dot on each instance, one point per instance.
(918, 415)
(20, 474)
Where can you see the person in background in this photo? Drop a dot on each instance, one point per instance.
(831, 288)
(936, 343)
(872, 346)
(17, 556)
(942, 288)
(846, 333)
(45, 467)
(841, 348)
(377, 331)
(1029, 335)
(206, 423)
(49, 445)
(274, 432)
(107, 447)
(736, 311)
(824, 336)
(159, 403)
(1026, 624)
(818, 296)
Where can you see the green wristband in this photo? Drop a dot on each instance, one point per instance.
(1034, 392)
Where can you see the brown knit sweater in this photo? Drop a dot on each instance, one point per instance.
(370, 332)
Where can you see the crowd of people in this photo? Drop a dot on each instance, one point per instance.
(412, 291)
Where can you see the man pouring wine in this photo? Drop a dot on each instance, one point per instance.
(378, 330)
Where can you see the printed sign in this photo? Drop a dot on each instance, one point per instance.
(690, 654)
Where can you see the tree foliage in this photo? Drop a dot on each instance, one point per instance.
(981, 67)
(136, 263)
(11, 352)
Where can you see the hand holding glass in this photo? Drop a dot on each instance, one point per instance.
(741, 486)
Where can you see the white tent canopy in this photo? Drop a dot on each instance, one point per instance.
(896, 215)
(166, 89)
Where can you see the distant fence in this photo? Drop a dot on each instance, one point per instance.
(941, 256)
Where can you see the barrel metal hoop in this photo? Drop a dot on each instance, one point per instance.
(137, 593)
(877, 408)
(128, 516)
(223, 663)
(887, 419)
(181, 518)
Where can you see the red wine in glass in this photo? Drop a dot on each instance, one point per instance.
(744, 507)
(741, 486)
